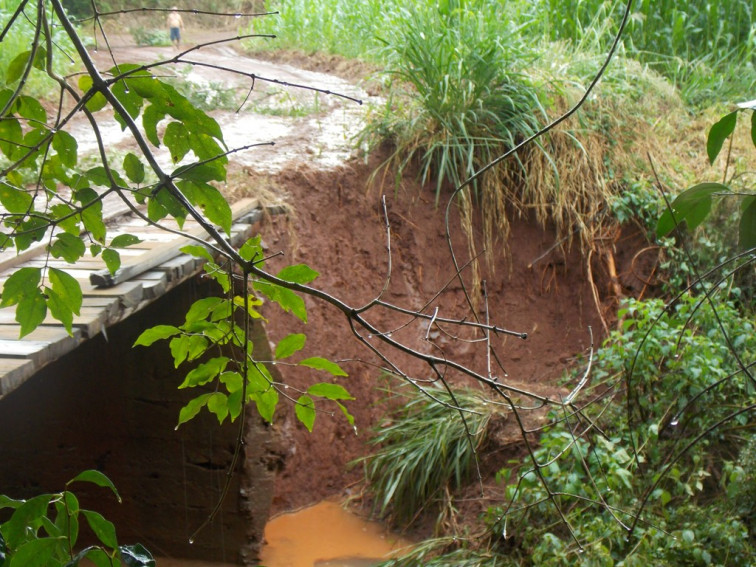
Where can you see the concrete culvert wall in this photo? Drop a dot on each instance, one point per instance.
(112, 408)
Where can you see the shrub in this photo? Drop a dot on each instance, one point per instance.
(150, 37)
(424, 448)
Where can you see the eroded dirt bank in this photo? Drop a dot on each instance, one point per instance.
(339, 230)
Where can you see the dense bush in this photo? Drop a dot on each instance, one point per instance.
(668, 438)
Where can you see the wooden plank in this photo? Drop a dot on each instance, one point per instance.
(13, 373)
(164, 252)
(40, 334)
(40, 352)
(178, 268)
(154, 283)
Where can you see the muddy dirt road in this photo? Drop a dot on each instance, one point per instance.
(292, 115)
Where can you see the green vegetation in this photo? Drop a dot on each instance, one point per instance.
(148, 36)
(673, 391)
(653, 463)
(44, 531)
(426, 448)
(674, 453)
(16, 41)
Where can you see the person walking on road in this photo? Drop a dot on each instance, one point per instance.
(176, 24)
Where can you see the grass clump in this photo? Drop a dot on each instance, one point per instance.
(425, 449)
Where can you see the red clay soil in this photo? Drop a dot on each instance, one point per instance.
(339, 230)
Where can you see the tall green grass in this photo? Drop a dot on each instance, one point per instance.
(687, 29)
(425, 449)
(340, 27)
(465, 95)
(706, 48)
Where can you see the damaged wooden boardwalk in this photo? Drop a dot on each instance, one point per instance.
(148, 271)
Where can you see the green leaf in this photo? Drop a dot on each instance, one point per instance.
(66, 219)
(286, 299)
(691, 206)
(217, 403)
(252, 249)
(97, 478)
(747, 227)
(59, 310)
(157, 333)
(133, 167)
(93, 554)
(13, 199)
(136, 556)
(329, 391)
(202, 308)
(719, 133)
(30, 108)
(68, 247)
(67, 147)
(19, 64)
(198, 252)
(25, 520)
(232, 380)
(124, 241)
(17, 286)
(31, 309)
(176, 138)
(349, 416)
(305, 410)
(299, 273)
(266, 403)
(171, 204)
(187, 348)
(289, 345)
(91, 214)
(112, 260)
(205, 372)
(319, 363)
(219, 275)
(150, 118)
(102, 528)
(30, 231)
(190, 410)
(261, 390)
(753, 127)
(67, 287)
(97, 100)
(210, 200)
(6, 502)
(11, 136)
(128, 97)
(38, 552)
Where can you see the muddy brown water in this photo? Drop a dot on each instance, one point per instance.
(324, 535)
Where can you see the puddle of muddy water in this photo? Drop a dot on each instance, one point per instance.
(326, 535)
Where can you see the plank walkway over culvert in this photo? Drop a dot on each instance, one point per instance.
(148, 270)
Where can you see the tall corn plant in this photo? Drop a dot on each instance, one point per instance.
(343, 27)
(706, 48)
